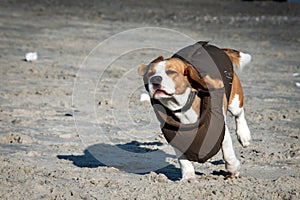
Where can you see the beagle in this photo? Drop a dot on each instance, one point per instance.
(198, 83)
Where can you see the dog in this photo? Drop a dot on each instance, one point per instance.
(181, 91)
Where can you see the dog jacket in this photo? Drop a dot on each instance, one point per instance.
(201, 140)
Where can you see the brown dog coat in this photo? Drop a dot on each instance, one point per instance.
(203, 139)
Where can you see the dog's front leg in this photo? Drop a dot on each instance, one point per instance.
(186, 166)
(187, 170)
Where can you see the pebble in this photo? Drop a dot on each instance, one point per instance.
(31, 56)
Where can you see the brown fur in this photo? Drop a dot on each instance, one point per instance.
(234, 56)
(236, 89)
(196, 105)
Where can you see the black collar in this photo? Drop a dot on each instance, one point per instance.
(188, 103)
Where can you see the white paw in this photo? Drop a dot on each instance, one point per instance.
(244, 136)
(243, 132)
(233, 168)
(187, 170)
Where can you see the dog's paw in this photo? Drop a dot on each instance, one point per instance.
(244, 138)
(189, 177)
(245, 143)
(233, 167)
(232, 176)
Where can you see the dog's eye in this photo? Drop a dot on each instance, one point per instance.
(150, 74)
(170, 72)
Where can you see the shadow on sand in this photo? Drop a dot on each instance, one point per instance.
(100, 155)
(132, 153)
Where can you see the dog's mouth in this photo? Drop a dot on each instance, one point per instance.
(159, 93)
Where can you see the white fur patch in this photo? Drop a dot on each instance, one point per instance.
(234, 107)
(178, 100)
(244, 59)
(167, 83)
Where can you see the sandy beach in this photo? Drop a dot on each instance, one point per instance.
(72, 124)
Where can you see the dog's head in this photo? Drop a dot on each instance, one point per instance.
(170, 79)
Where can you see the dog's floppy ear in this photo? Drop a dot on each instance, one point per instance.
(142, 68)
(200, 83)
(194, 78)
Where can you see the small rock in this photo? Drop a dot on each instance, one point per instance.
(31, 56)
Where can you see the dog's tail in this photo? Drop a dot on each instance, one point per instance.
(238, 59)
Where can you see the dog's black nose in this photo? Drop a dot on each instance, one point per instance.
(156, 80)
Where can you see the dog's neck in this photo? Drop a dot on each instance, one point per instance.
(187, 112)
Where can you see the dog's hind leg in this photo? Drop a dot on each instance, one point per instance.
(242, 129)
(235, 106)
(232, 164)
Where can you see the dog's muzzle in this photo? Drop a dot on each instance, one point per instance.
(156, 80)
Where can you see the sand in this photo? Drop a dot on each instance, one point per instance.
(72, 125)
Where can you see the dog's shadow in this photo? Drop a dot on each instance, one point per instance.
(91, 159)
